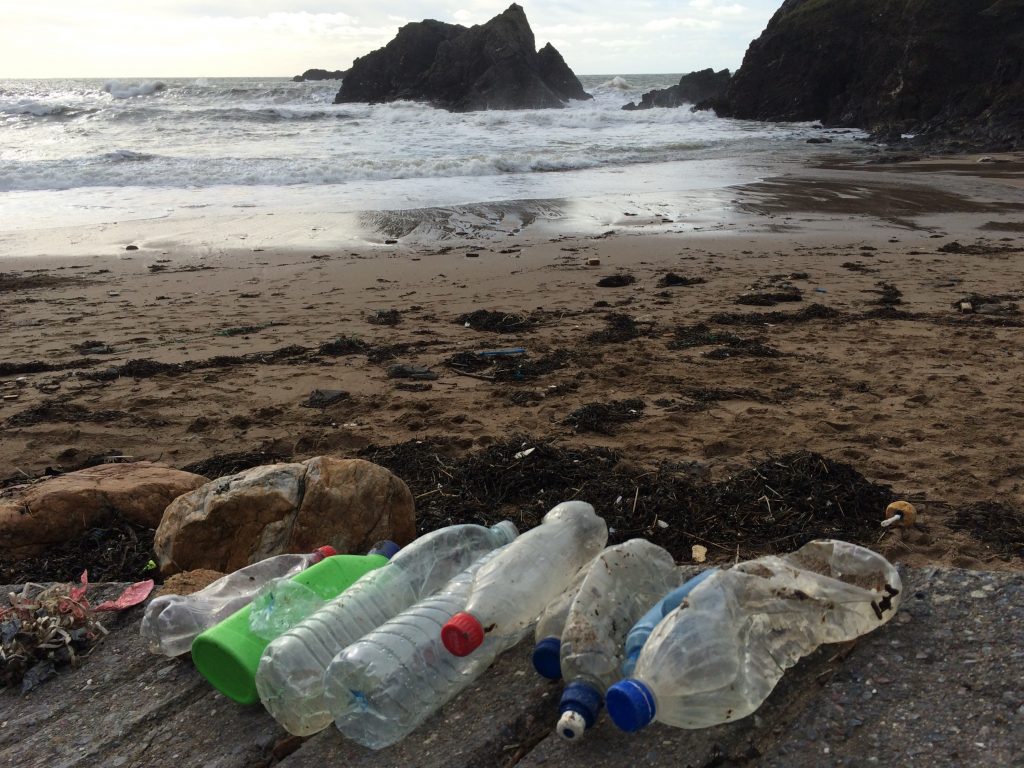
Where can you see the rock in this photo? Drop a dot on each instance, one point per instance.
(320, 74)
(236, 520)
(488, 66)
(63, 507)
(947, 71)
(693, 88)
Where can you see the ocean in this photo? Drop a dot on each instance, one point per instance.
(95, 152)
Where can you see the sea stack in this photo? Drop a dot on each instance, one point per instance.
(691, 89)
(489, 66)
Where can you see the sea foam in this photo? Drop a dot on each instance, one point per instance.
(120, 90)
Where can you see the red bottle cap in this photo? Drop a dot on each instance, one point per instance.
(325, 551)
(462, 635)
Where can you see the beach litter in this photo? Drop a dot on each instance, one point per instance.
(616, 281)
(407, 371)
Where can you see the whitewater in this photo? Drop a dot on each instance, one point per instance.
(99, 151)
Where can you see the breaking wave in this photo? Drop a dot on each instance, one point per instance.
(120, 90)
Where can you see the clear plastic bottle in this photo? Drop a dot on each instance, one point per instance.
(638, 635)
(383, 686)
(172, 622)
(512, 590)
(717, 657)
(547, 636)
(289, 679)
(619, 586)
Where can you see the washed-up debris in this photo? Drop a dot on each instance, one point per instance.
(406, 371)
(385, 317)
(771, 297)
(513, 367)
(808, 313)
(776, 505)
(59, 410)
(989, 304)
(93, 347)
(618, 328)
(616, 281)
(230, 463)
(743, 348)
(700, 335)
(901, 513)
(603, 417)
(998, 524)
(496, 322)
(243, 330)
(672, 279)
(342, 346)
(321, 398)
(45, 629)
(502, 352)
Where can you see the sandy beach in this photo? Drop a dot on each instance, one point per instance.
(866, 312)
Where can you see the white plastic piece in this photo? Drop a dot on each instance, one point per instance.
(571, 726)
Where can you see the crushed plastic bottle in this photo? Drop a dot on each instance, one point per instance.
(717, 657)
(512, 590)
(228, 654)
(383, 686)
(638, 635)
(289, 679)
(619, 586)
(172, 622)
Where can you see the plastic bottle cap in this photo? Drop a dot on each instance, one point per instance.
(571, 725)
(463, 634)
(325, 551)
(546, 658)
(387, 547)
(630, 705)
(582, 699)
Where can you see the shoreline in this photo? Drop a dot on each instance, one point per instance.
(923, 401)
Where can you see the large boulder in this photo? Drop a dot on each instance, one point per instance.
(489, 66)
(236, 520)
(691, 89)
(952, 68)
(50, 512)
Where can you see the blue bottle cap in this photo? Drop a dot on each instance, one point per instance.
(546, 658)
(386, 547)
(630, 705)
(583, 699)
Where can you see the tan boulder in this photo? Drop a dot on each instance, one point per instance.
(60, 508)
(240, 519)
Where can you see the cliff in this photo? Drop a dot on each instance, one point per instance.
(948, 69)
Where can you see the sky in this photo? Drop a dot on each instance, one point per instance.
(237, 38)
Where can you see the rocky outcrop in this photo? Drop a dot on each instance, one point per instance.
(941, 68)
(319, 74)
(48, 513)
(349, 504)
(691, 89)
(490, 66)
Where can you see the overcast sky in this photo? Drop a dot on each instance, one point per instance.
(196, 38)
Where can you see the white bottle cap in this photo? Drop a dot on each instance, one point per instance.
(571, 725)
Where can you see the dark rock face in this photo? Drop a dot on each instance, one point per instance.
(490, 66)
(692, 89)
(952, 70)
(319, 74)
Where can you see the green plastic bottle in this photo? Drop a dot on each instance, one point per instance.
(228, 654)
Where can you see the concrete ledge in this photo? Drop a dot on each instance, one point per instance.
(940, 685)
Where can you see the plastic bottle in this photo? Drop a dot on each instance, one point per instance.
(228, 654)
(638, 635)
(172, 622)
(290, 674)
(716, 658)
(547, 637)
(512, 590)
(619, 586)
(383, 686)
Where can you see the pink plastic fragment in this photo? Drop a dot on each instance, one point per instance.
(134, 595)
(77, 593)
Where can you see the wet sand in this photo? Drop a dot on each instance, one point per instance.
(910, 380)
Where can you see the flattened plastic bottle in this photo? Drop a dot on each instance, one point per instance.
(717, 657)
(621, 583)
(289, 679)
(512, 590)
(383, 686)
(172, 622)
